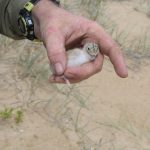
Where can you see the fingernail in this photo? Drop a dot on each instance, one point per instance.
(58, 69)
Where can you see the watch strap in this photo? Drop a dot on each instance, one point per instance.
(25, 17)
(56, 2)
(35, 1)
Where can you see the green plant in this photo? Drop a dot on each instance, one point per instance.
(143, 6)
(6, 113)
(19, 116)
(9, 112)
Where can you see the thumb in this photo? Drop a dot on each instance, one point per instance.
(54, 44)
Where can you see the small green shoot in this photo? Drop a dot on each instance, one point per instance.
(19, 116)
(9, 113)
(6, 113)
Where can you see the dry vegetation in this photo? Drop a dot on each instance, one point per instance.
(24, 86)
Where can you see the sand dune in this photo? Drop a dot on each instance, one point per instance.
(104, 112)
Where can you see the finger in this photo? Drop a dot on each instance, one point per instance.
(54, 43)
(56, 79)
(110, 48)
(77, 74)
(117, 60)
(113, 51)
(59, 79)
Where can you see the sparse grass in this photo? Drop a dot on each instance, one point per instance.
(67, 114)
(32, 63)
(143, 6)
(19, 116)
(6, 113)
(85, 7)
(136, 48)
(9, 113)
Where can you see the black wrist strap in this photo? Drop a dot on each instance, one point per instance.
(34, 1)
(25, 21)
(54, 1)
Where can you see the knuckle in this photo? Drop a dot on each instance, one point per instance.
(114, 49)
(53, 57)
(79, 76)
(99, 69)
(81, 26)
(49, 31)
(94, 28)
(73, 76)
(84, 24)
(94, 24)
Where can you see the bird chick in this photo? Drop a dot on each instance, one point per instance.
(79, 56)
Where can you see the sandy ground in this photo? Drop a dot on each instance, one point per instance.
(101, 113)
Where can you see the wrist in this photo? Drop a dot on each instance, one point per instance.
(41, 9)
(30, 16)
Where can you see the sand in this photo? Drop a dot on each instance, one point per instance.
(104, 112)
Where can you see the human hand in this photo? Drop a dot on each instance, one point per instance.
(60, 30)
